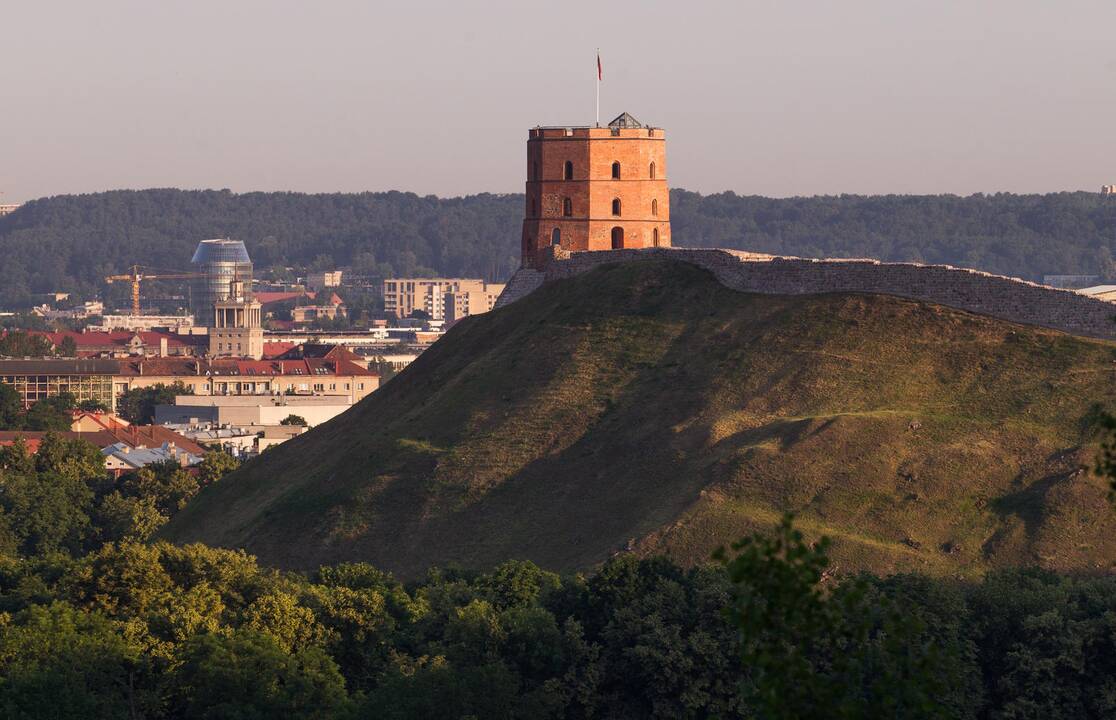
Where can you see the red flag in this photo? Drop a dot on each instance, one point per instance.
(598, 67)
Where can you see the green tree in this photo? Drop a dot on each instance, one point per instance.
(92, 406)
(817, 654)
(11, 408)
(215, 465)
(46, 513)
(23, 344)
(1106, 463)
(129, 518)
(52, 413)
(248, 675)
(67, 348)
(167, 484)
(59, 662)
(293, 419)
(137, 405)
(74, 458)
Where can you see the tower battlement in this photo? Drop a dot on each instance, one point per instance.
(595, 188)
(589, 131)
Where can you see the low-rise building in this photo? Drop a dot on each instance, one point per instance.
(310, 313)
(103, 380)
(1069, 282)
(322, 280)
(245, 410)
(120, 458)
(1108, 189)
(232, 376)
(133, 323)
(124, 344)
(1101, 292)
(39, 379)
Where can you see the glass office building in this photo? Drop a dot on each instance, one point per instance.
(221, 262)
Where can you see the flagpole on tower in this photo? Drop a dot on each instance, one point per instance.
(598, 87)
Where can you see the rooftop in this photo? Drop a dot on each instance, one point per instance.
(221, 250)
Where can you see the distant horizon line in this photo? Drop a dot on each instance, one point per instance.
(7, 202)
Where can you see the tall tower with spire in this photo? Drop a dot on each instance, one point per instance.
(596, 188)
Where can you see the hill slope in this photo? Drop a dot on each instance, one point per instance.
(646, 406)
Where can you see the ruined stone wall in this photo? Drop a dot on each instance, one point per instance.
(979, 292)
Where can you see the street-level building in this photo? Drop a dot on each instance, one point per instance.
(39, 379)
(103, 380)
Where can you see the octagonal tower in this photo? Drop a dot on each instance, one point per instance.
(596, 188)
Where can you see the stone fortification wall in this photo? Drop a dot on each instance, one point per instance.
(979, 292)
(523, 283)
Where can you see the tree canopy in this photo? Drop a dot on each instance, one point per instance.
(69, 243)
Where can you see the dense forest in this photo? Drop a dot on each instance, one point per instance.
(69, 243)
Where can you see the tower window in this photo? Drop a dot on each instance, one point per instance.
(556, 237)
(567, 207)
(535, 170)
(654, 207)
(616, 171)
(655, 237)
(534, 207)
(616, 207)
(568, 173)
(651, 171)
(617, 238)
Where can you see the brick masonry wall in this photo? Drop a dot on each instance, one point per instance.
(978, 292)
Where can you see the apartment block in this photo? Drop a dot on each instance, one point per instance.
(402, 296)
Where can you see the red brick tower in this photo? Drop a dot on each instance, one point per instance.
(596, 188)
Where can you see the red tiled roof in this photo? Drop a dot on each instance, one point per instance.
(34, 438)
(133, 435)
(276, 349)
(121, 339)
(189, 367)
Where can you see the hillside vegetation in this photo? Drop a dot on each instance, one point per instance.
(69, 243)
(645, 407)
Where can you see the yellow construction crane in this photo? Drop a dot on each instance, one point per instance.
(137, 275)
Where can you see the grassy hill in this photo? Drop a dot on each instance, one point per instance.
(646, 407)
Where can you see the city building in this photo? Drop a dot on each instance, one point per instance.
(103, 380)
(237, 329)
(1069, 282)
(231, 376)
(125, 447)
(81, 312)
(244, 410)
(239, 441)
(321, 280)
(596, 188)
(1108, 189)
(123, 344)
(39, 379)
(1101, 292)
(310, 313)
(462, 304)
(134, 323)
(402, 296)
(122, 458)
(219, 263)
(8, 209)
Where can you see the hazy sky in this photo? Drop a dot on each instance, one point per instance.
(773, 98)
